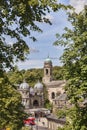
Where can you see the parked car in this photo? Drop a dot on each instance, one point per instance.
(29, 121)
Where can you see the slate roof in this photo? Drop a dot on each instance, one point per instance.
(56, 83)
(61, 97)
(56, 119)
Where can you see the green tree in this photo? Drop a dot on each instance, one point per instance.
(32, 76)
(18, 18)
(11, 110)
(58, 72)
(75, 69)
(15, 76)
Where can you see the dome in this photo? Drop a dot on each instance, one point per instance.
(38, 87)
(24, 85)
(48, 60)
(32, 92)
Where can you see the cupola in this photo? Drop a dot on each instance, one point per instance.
(24, 85)
(32, 92)
(38, 87)
(48, 60)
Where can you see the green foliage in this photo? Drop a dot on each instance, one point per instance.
(61, 113)
(75, 68)
(58, 72)
(48, 105)
(32, 76)
(18, 18)
(15, 76)
(26, 128)
(11, 110)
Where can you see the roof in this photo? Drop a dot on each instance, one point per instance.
(32, 91)
(56, 83)
(56, 119)
(24, 85)
(61, 97)
(48, 60)
(45, 110)
(38, 86)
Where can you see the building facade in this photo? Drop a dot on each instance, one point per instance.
(54, 88)
(54, 122)
(32, 97)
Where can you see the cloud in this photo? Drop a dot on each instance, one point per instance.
(38, 63)
(34, 50)
(28, 64)
(78, 5)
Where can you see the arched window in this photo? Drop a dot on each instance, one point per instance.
(35, 103)
(46, 71)
(52, 95)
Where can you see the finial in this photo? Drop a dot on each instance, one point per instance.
(48, 56)
(24, 81)
(38, 81)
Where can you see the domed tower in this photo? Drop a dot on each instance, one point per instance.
(47, 70)
(24, 91)
(38, 87)
(39, 94)
(36, 96)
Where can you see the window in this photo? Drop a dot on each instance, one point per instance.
(35, 103)
(46, 71)
(53, 95)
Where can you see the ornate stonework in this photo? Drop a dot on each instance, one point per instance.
(32, 97)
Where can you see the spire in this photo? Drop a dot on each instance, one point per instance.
(48, 56)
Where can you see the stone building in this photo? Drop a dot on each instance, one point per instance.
(61, 102)
(54, 122)
(54, 88)
(32, 97)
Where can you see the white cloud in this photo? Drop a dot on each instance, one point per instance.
(34, 50)
(28, 64)
(78, 4)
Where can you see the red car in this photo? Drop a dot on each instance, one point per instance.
(29, 121)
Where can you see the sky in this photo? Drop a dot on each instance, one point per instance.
(40, 50)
